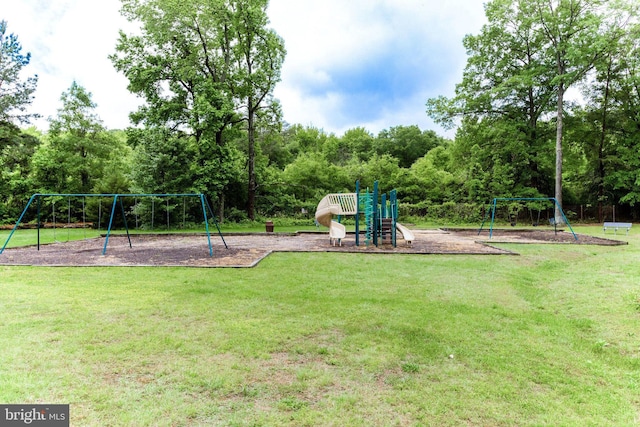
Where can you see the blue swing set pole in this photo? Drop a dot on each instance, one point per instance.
(206, 223)
(113, 212)
(484, 219)
(215, 221)
(564, 218)
(124, 218)
(38, 221)
(13, 230)
(493, 216)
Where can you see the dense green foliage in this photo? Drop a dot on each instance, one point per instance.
(206, 71)
(220, 63)
(516, 127)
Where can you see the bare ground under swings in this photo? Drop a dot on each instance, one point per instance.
(247, 250)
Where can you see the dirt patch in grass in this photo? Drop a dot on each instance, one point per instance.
(535, 236)
(246, 250)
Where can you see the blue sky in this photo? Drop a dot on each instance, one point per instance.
(349, 63)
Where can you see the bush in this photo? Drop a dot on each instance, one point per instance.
(236, 215)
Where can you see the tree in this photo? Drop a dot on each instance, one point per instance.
(355, 144)
(180, 65)
(202, 67)
(432, 180)
(607, 127)
(259, 53)
(311, 176)
(16, 151)
(15, 94)
(406, 143)
(78, 146)
(575, 40)
(528, 55)
(382, 168)
(625, 179)
(506, 89)
(159, 162)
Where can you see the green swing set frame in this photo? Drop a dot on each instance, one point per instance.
(117, 200)
(492, 212)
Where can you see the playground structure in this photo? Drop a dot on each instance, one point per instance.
(552, 221)
(116, 202)
(380, 216)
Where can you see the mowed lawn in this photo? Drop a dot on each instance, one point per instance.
(549, 337)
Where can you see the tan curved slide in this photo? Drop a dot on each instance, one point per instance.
(407, 234)
(336, 204)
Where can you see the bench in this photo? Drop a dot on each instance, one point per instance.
(616, 226)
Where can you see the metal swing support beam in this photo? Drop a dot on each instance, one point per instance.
(116, 197)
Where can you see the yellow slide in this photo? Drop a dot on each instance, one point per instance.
(336, 204)
(406, 233)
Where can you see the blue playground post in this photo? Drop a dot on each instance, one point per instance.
(374, 218)
(393, 199)
(358, 213)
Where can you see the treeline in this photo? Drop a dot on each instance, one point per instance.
(548, 103)
(295, 167)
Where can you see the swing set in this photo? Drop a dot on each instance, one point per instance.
(513, 217)
(117, 201)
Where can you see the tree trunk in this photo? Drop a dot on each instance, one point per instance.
(559, 126)
(221, 208)
(602, 142)
(251, 193)
(532, 133)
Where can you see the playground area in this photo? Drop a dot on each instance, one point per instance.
(247, 250)
(377, 231)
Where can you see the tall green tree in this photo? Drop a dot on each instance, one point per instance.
(16, 152)
(505, 91)
(259, 53)
(575, 40)
(181, 64)
(523, 62)
(406, 143)
(16, 94)
(610, 122)
(600, 129)
(78, 146)
(202, 67)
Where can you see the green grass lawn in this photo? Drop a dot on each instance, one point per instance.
(550, 337)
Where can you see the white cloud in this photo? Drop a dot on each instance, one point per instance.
(349, 63)
(405, 50)
(71, 40)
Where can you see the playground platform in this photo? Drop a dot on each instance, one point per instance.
(247, 250)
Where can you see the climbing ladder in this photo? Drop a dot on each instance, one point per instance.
(366, 200)
(387, 230)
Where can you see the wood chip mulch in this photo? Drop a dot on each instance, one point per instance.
(247, 250)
